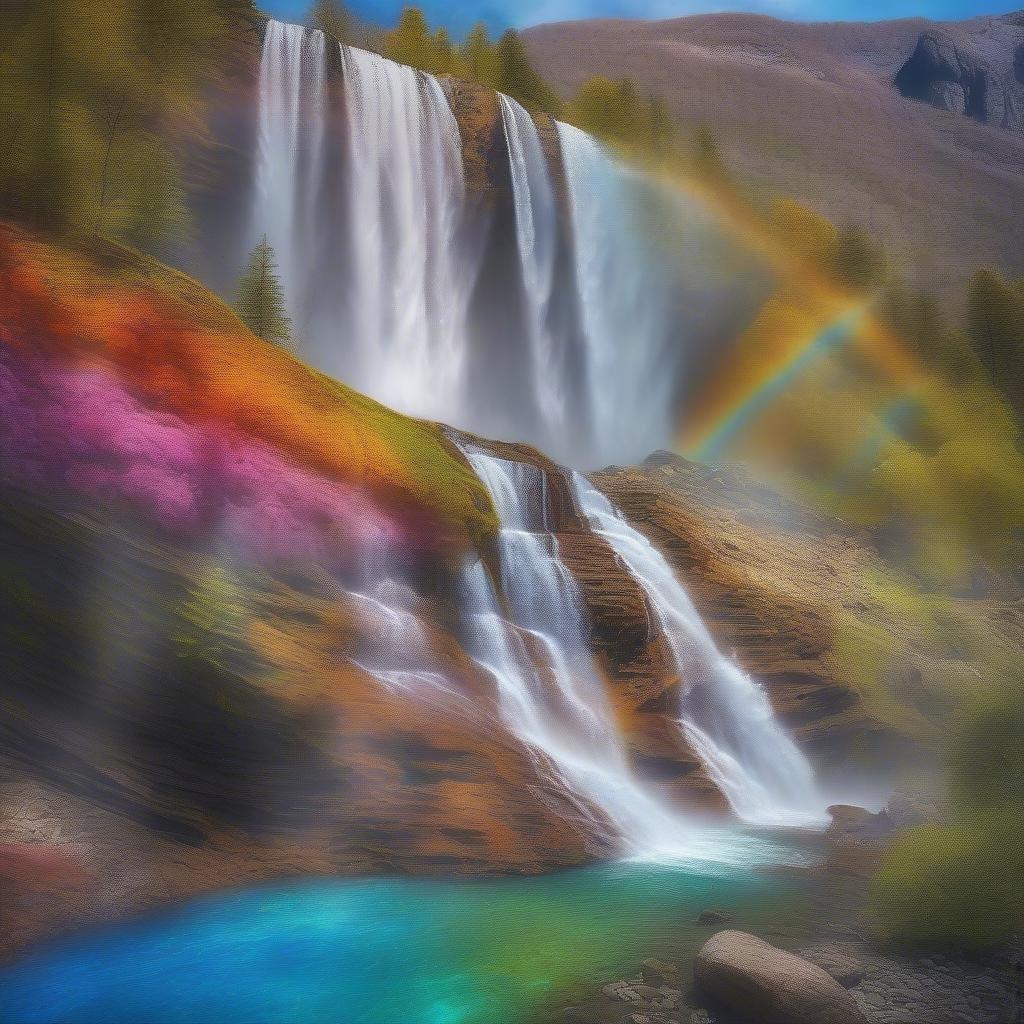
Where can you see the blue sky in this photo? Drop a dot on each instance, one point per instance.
(502, 13)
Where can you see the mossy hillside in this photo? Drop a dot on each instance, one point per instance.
(922, 659)
(182, 348)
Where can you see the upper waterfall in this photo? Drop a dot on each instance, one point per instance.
(382, 253)
(626, 298)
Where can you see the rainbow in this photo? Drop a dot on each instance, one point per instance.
(709, 443)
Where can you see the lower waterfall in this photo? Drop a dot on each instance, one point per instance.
(549, 690)
(724, 714)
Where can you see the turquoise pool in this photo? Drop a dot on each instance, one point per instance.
(381, 951)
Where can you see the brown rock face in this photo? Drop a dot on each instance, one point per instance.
(764, 985)
(769, 580)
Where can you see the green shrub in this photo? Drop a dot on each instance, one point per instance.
(962, 884)
(952, 885)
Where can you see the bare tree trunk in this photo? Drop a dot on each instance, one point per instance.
(112, 123)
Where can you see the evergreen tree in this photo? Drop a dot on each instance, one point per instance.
(98, 103)
(481, 58)
(661, 129)
(917, 318)
(995, 324)
(410, 42)
(708, 161)
(332, 18)
(805, 232)
(260, 302)
(518, 78)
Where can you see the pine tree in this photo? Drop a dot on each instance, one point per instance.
(518, 78)
(856, 260)
(708, 162)
(480, 56)
(260, 301)
(995, 324)
(99, 103)
(332, 18)
(410, 42)
(661, 130)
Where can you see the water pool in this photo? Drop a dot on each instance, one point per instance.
(381, 951)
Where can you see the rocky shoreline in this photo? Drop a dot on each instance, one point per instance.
(886, 988)
(822, 966)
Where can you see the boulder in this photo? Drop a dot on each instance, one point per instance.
(755, 981)
(906, 810)
(852, 822)
(713, 917)
(947, 72)
(630, 992)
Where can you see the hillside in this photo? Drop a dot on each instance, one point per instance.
(810, 111)
(226, 709)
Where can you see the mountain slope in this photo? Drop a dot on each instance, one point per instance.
(810, 111)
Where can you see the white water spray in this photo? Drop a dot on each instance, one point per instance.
(536, 235)
(407, 288)
(725, 715)
(291, 139)
(633, 354)
(550, 692)
(361, 189)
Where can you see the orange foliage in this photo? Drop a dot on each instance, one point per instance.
(179, 348)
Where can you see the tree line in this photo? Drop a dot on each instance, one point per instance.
(99, 101)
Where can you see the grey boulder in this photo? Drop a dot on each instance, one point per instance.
(759, 983)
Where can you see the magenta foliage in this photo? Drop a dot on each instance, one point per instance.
(78, 433)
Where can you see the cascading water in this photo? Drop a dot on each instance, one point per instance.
(381, 254)
(408, 289)
(366, 219)
(725, 715)
(630, 319)
(369, 221)
(536, 235)
(550, 692)
(292, 121)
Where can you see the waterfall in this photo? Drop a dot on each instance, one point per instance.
(290, 160)
(360, 187)
(634, 359)
(725, 715)
(550, 692)
(366, 217)
(536, 236)
(366, 205)
(408, 289)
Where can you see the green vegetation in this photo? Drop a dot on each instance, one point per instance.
(260, 303)
(334, 18)
(962, 882)
(615, 112)
(708, 161)
(98, 103)
(995, 324)
(856, 260)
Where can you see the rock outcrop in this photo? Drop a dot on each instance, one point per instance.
(789, 593)
(950, 74)
(763, 985)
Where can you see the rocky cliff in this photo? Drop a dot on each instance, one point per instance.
(949, 71)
